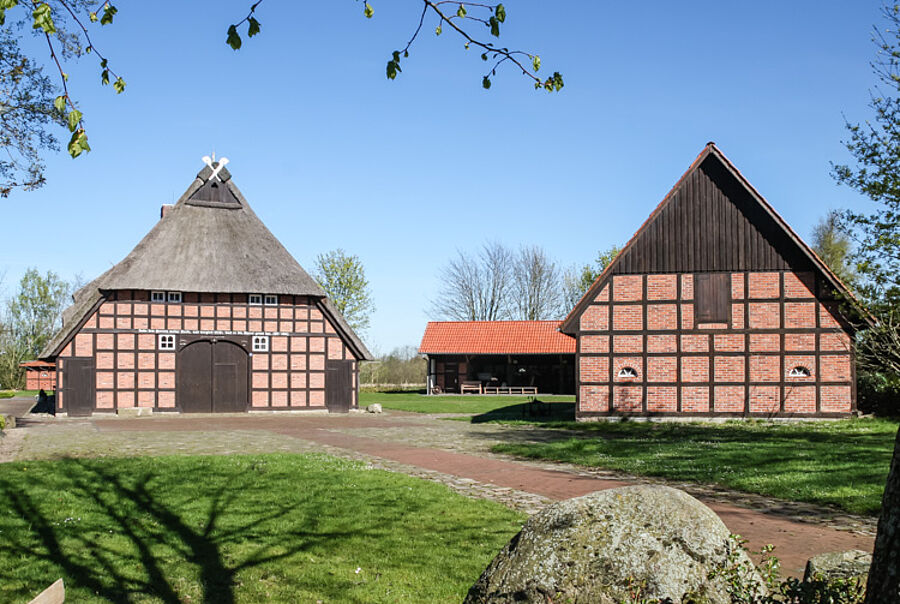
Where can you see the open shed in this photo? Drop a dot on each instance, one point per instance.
(498, 357)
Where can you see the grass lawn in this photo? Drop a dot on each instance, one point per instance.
(469, 403)
(844, 463)
(12, 393)
(279, 527)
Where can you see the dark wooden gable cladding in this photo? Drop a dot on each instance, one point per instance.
(214, 193)
(711, 223)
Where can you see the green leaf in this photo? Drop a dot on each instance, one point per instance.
(60, 103)
(109, 11)
(93, 16)
(78, 144)
(74, 117)
(104, 77)
(437, 30)
(119, 85)
(500, 11)
(484, 56)
(486, 83)
(7, 4)
(368, 11)
(233, 40)
(536, 62)
(494, 24)
(43, 18)
(253, 28)
(461, 11)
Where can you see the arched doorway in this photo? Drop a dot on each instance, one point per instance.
(212, 377)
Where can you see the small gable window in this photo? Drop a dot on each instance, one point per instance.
(271, 299)
(627, 372)
(254, 299)
(799, 371)
(260, 343)
(166, 341)
(175, 297)
(157, 296)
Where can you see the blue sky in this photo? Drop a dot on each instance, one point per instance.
(330, 154)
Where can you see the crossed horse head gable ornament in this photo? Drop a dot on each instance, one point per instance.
(215, 167)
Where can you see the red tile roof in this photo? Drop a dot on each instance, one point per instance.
(41, 364)
(495, 337)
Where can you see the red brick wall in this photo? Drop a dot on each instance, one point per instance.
(646, 323)
(122, 336)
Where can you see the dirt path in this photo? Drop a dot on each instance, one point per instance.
(454, 453)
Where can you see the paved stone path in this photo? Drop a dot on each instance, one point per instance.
(454, 453)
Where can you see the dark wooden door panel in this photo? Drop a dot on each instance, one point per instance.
(338, 386)
(712, 297)
(79, 386)
(193, 381)
(230, 381)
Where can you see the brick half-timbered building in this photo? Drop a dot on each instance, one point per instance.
(209, 313)
(715, 307)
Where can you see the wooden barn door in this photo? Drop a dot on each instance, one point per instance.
(338, 386)
(229, 377)
(212, 376)
(193, 377)
(79, 386)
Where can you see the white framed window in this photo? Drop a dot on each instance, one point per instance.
(254, 298)
(260, 343)
(627, 372)
(175, 297)
(157, 296)
(166, 341)
(271, 299)
(799, 371)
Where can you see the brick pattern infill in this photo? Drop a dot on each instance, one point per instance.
(133, 370)
(783, 351)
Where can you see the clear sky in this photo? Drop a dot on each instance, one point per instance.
(329, 153)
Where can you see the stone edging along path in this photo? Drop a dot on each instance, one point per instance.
(453, 453)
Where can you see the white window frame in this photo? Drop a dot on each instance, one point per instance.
(270, 299)
(166, 341)
(255, 299)
(799, 371)
(157, 296)
(260, 344)
(627, 372)
(174, 297)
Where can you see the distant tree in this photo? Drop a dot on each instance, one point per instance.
(577, 280)
(32, 316)
(875, 147)
(831, 242)
(476, 288)
(536, 292)
(402, 366)
(343, 278)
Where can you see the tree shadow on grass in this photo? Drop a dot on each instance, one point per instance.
(536, 411)
(138, 540)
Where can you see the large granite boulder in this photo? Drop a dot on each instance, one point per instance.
(850, 564)
(605, 545)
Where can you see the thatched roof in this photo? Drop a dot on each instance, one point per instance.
(209, 242)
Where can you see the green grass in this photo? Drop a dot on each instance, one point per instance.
(12, 393)
(286, 528)
(469, 403)
(843, 463)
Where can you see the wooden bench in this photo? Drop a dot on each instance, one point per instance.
(473, 387)
(510, 390)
